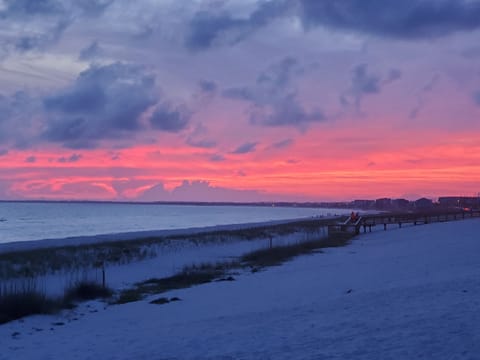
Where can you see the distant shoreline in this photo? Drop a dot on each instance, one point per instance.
(186, 203)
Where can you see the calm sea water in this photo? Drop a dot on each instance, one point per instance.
(35, 221)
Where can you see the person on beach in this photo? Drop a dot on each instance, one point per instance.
(352, 216)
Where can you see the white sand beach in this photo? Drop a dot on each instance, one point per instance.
(401, 294)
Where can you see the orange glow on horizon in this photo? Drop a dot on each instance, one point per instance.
(309, 169)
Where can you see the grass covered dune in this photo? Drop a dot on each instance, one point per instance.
(35, 258)
(43, 279)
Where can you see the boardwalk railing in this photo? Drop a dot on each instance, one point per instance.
(399, 219)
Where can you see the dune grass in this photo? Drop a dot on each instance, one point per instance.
(208, 272)
(36, 262)
(187, 277)
(25, 299)
(279, 255)
(16, 305)
(86, 290)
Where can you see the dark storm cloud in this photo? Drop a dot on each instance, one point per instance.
(274, 99)
(245, 148)
(365, 83)
(36, 24)
(22, 8)
(71, 159)
(90, 52)
(207, 29)
(105, 102)
(406, 19)
(170, 119)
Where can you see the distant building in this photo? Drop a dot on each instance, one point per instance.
(364, 204)
(401, 204)
(459, 201)
(423, 203)
(383, 203)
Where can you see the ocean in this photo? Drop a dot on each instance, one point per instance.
(25, 221)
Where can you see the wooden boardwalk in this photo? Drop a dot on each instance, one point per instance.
(398, 219)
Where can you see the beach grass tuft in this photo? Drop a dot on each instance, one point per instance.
(86, 290)
(278, 255)
(20, 300)
(23, 298)
(187, 277)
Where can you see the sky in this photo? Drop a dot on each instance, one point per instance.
(239, 100)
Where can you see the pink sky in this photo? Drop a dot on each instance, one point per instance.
(239, 101)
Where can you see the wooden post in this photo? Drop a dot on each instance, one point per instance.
(103, 275)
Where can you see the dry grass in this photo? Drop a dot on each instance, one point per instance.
(205, 273)
(25, 299)
(37, 262)
(279, 255)
(189, 276)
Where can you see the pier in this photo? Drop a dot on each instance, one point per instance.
(399, 219)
